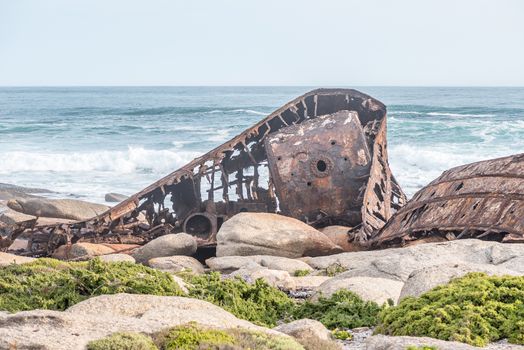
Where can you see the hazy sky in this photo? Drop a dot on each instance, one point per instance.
(262, 42)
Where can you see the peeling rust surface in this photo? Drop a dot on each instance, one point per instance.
(483, 200)
(351, 182)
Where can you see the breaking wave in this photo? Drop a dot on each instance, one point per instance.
(135, 159)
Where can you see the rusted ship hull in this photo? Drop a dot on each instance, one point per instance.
(483, 200)
(240, 176)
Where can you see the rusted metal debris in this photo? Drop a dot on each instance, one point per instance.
(483, 200)
(326, 163)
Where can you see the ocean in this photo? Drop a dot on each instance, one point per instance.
(85, 142)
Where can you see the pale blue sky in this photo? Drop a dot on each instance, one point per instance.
(262, 42)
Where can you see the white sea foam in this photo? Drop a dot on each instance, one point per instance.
(443, 114)
(415, 166)
(239, 110)
(135, 159)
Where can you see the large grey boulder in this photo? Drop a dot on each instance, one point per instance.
(57, 208)
(228, 264)
(399, 263)
(427, 278)
(167, 245)
(271, 234)
(177, 263)
(374, 289)
(100, 316)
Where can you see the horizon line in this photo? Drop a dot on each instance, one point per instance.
(262, 86)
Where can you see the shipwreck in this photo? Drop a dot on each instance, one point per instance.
(483, 200)
(321, 158)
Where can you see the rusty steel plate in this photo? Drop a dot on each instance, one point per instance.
(483, 200)
(320, 167)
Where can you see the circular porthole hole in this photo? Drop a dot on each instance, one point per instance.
(321, 166)
(333, 143)
(309, 183)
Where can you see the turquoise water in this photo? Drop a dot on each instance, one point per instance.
(84, 142)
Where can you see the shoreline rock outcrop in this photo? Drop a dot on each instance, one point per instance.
(271, 234)
(70, 209)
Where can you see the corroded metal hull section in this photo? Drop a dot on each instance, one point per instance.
(238, 176)
(483, 200)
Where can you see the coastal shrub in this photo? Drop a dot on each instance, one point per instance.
(335, 269)
(191, 336)
(194, 337)
(123, 341)
(421, 347)
(475, 309)
(259, 302)
(341, 334)
(56, 285)
(344, 309)
(301, 273)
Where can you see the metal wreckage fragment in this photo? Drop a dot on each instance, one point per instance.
(321, 158)
(483, 200)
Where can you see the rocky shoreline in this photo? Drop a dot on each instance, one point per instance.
(284, 253)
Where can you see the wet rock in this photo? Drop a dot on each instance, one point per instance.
(167, 245)
(271, 234)
(177, 263)
(422, 280)
(228, 264)
(100, 316)
(374, 289)
(8, 259)
(57, 208)
(114, 197)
